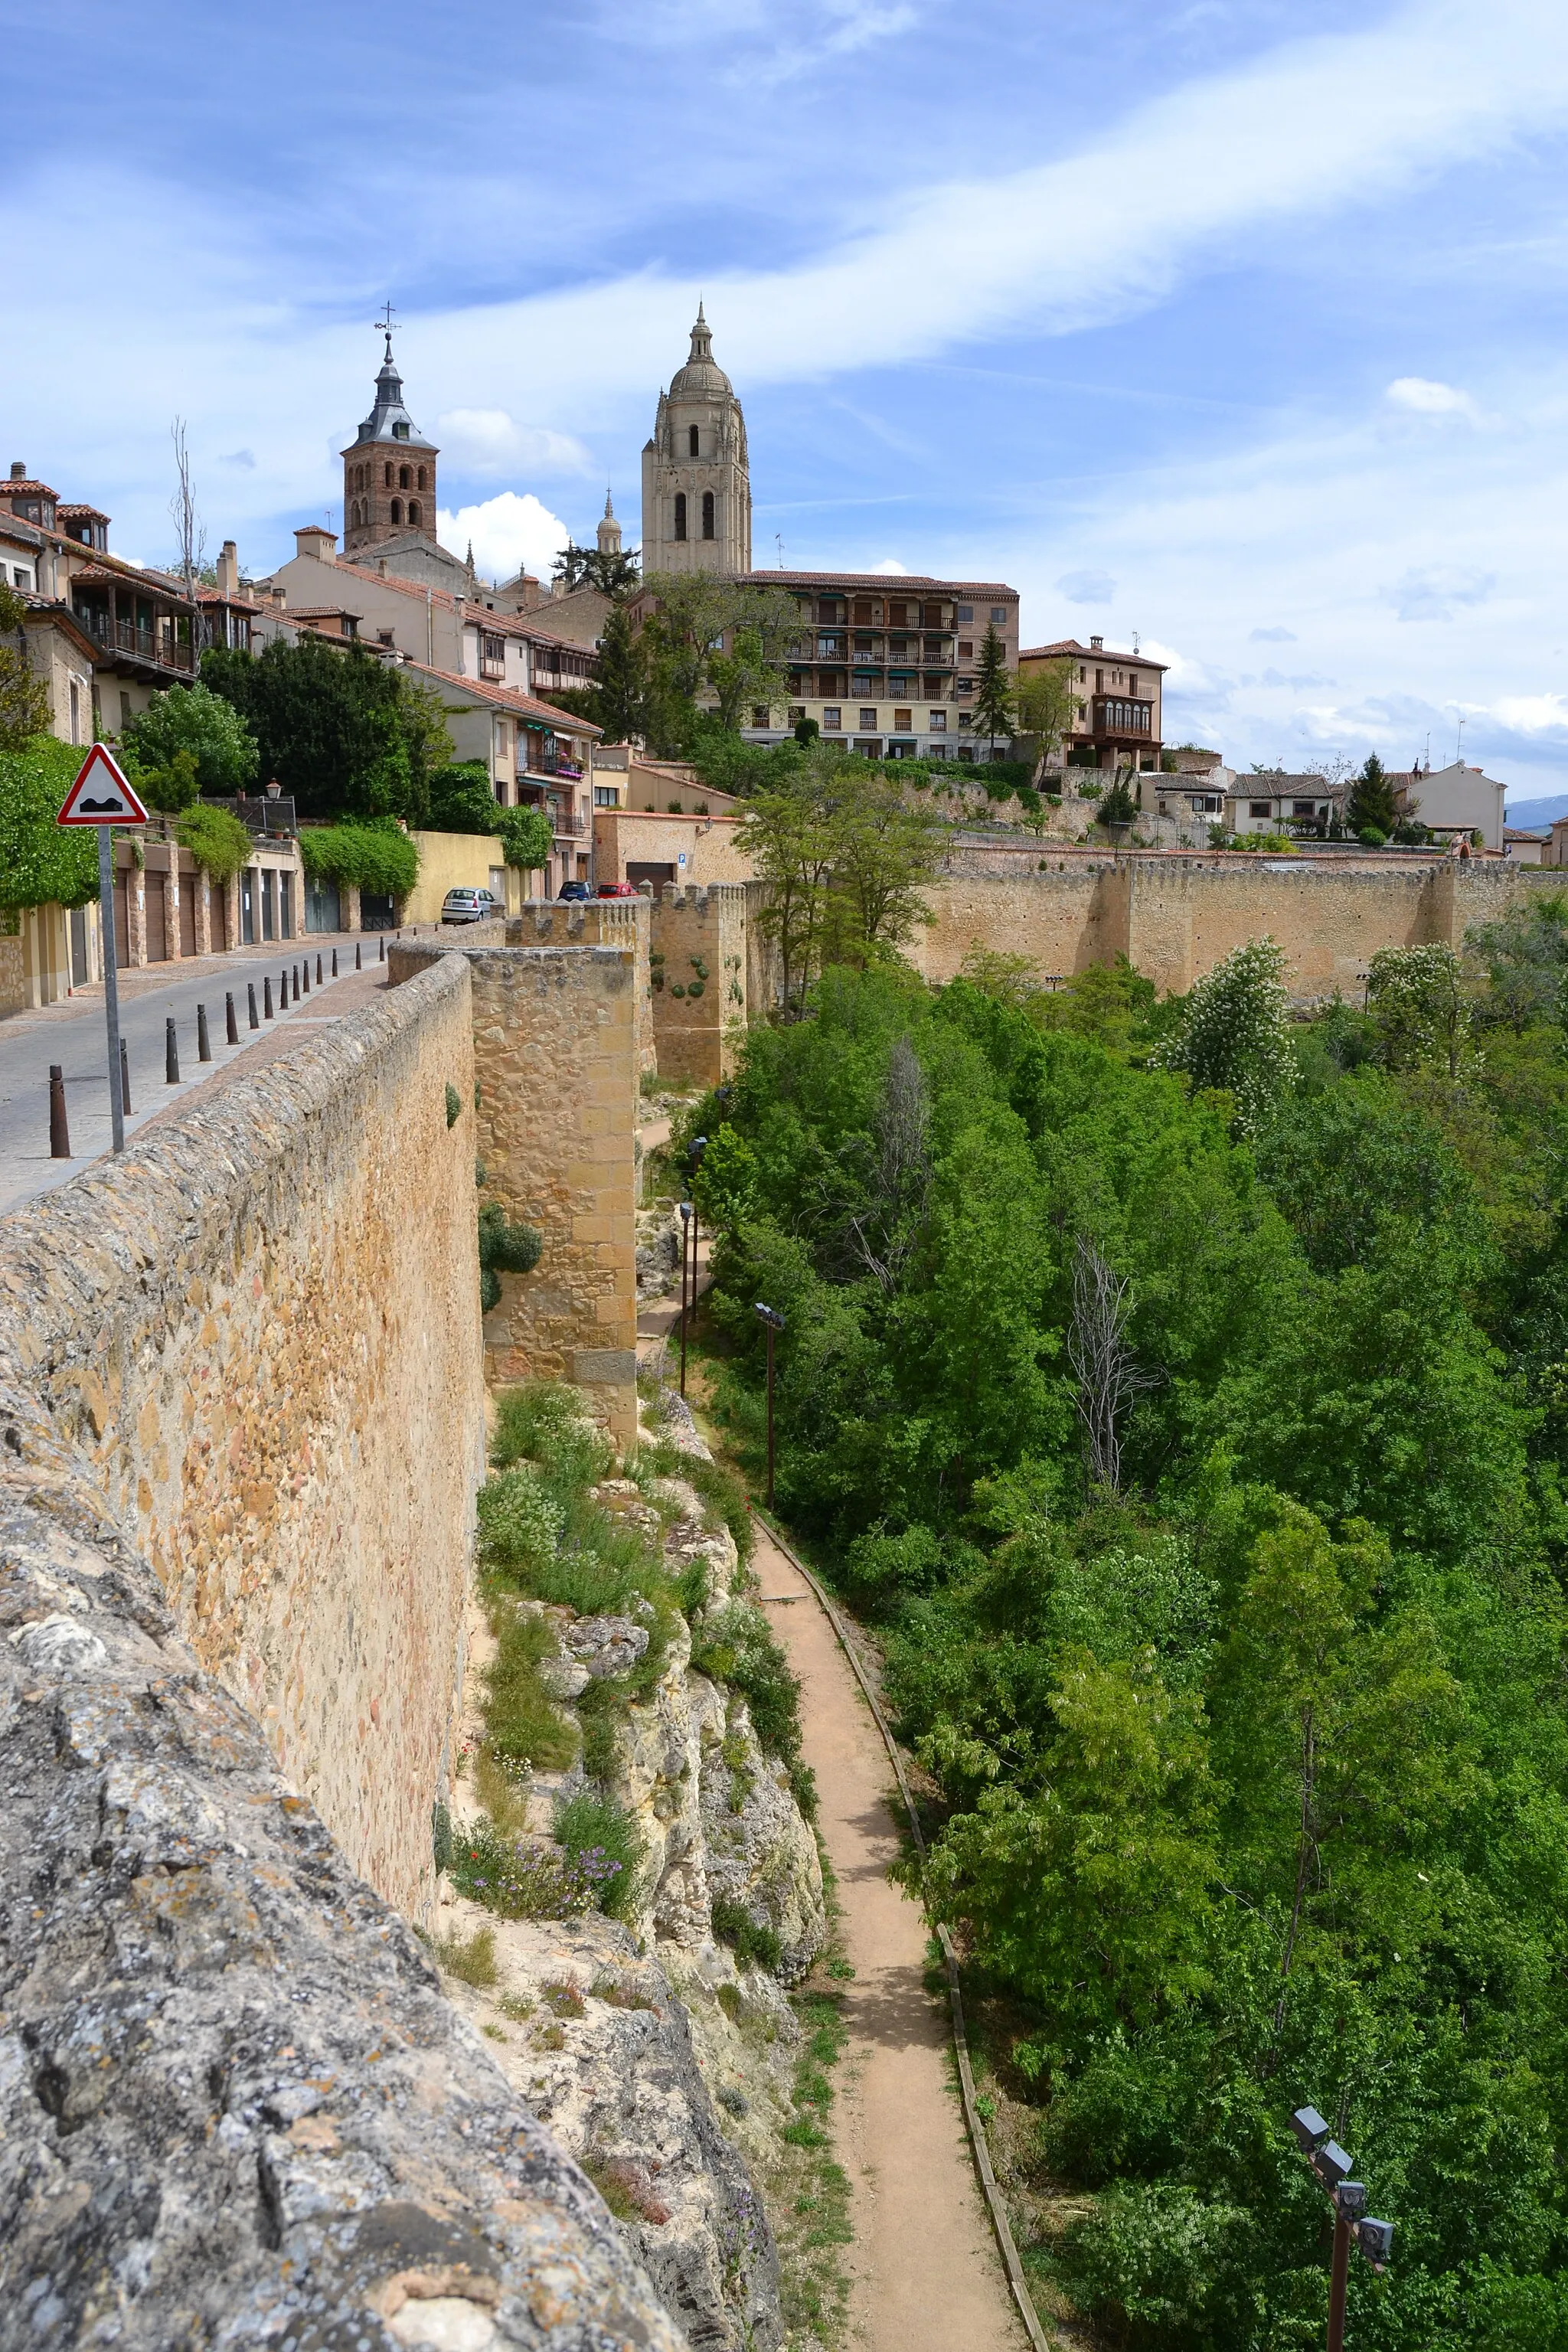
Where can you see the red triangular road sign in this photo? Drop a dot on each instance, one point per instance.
(101, 793)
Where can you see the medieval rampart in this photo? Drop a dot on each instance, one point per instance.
(248, 1328)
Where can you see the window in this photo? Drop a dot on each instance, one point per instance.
(124, 711)
(708, 514)
(967, 717)
(903, 723)
(761, 714)
(400, 432)
(405, 479)
(1131, 681)
(966, 649)
(936, 751)
(414, 510)
(796, 713)
(966, 751)
(999, 614)
(933, 616)
(898, 616)
(966, 612)
(500, 738)
(869, 750)
(680, 514)
(938, 722)
(384, 637)
(965, 686)
(867, 719)
(22, 576)
(862, 612)
(694, 441)
(827, 608)
(422, 484)
(832, 719)
(388, 472)
(607, 796)
(1259, 808)
(492, 655)
(1298, 808)
(397, 510)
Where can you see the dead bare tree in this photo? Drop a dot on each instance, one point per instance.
(881, 1235)
(1107, 1374)
(189, 530)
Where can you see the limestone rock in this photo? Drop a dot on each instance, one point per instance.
(606, 1645)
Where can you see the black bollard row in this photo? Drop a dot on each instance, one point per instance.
(60, 1134)
(203, 1042)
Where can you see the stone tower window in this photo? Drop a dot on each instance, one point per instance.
(422, 478)
(707, 514)
(389, 476)
(397, 510)
(680, 514)
(694, 441)
(413, 509)
(405, 479)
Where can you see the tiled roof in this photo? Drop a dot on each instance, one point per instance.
(502, 624)
(506, 697)
(77, 510)
(1089, 653)
(9, 489)
(884, 582)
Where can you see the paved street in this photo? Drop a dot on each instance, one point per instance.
(72, 1033)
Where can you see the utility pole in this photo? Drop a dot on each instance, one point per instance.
(1331, 2169)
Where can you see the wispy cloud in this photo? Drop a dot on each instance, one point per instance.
(1420, 397)
(1432, 594)
(487, 441)
(1271, 636)
(1087, 587)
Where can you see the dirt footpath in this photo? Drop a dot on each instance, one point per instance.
(926, 2274)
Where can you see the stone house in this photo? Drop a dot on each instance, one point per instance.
(1117, 718)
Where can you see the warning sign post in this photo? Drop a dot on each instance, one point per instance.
(102, 795)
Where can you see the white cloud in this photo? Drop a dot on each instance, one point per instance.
(509, 533)
(890, 565)
(1532, 714)
(1431, 593)
(1271, 636)
(1422, 398)
(487, 441)
(1087, 587)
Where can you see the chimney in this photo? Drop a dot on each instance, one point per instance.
(312, 540)
(227, 569)
(19, 470)
(1097, 645)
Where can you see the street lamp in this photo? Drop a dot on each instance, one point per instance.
(1331, 2169)
(685, 1237)
(775, 1322)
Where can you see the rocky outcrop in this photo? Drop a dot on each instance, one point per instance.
(235, 2109)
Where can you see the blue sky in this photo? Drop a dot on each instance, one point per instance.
(1234, 324)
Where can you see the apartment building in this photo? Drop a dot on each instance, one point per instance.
(886, 664)
(1118, 718)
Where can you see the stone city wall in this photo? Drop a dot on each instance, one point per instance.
(555, 1054)
(596, 922)
(700, 975)
(1177, 917)
(259, 1329)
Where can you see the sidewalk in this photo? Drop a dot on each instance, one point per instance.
(72, 1033)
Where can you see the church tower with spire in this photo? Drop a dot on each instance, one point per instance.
(696, 484)
(609, 531)
(389, 471)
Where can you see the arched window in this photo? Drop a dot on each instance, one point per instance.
(694, 441)
(389, 474)
(413, 509)
(397, 510)
(403, 477)
(422, 478)
(680, 514)
(707, 514)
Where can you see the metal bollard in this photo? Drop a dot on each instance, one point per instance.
(250, 995)
(294, 976)
(170, 1054)
(358, 964)
(124, 1077)
(60, 1134)
(267, 997)
(203, 1042)
(231, 1024)
(381, 957)
(334, 963)
(318, 967)
(305, 974)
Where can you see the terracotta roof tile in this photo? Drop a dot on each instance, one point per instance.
(506, 697)
(1090, 652)
(884, 582)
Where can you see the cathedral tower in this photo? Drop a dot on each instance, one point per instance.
(389, 471)
(696, 486)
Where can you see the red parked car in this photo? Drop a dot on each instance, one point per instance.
(619, 890)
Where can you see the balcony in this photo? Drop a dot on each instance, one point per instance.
(159, 646)
(1116, 718)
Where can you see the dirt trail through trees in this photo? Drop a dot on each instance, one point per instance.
(926, 2274)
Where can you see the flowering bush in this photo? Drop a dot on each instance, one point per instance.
(519, 1879)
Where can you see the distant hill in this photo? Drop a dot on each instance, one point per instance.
(1529, 813)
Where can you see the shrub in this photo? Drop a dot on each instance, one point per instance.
(504, 1248)
(220, 843)
(525, 837)
(523, 1724)
(192, 721)
(748, 1938)
(378, 857)
(604, 1844)
(520, 1526)
(517, 1879)
(40, 862)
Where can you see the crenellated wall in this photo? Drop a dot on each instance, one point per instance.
(700, 975)
(259, 1330)
(596, 922)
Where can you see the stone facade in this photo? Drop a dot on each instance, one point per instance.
(700, 973)
(555, 1057)
(651, 849)
(260, 1327)
(596, 922)
(696, 480)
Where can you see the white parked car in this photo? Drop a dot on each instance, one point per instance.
(467, 906)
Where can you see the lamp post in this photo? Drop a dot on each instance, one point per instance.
(774, 1321)
(685, 1237)
(1331, 2169)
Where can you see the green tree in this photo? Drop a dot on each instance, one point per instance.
(1045, 705)
(41, 861)
(218, 842)
(195, 720)
(171, 788)
(1524, 960)
(1118, 807)
(376, 855)
(1236, 1033)
(24, 698)
(462, 799)
(787, 835)
(884, 851)
(526, 837)
(338, 729)
(613, 574)
(993, 689)
(1417, 998)
(1371, 802)
(622, 687)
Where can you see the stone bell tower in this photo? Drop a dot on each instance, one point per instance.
(389, 469)
(695, 483)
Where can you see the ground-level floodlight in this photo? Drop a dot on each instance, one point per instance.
(773, 1322)
(1332, 2168)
